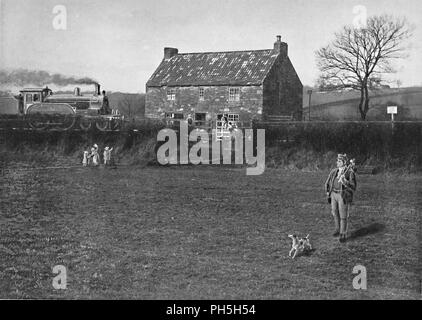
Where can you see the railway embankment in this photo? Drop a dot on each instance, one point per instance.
(66, 148)
(305, 147)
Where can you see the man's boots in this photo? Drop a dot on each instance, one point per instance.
(343, 230)
(336, 226)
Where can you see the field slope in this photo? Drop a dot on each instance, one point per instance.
(202, 233)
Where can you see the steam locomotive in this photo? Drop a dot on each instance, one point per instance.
(43, 109)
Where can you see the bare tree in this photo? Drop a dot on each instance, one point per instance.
(357, 54)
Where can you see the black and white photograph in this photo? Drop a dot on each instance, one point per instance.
(210, 150)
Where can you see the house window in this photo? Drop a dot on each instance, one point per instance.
(227, 120)
(201, 94)
(234, 94)
(200, 116)
(28, 97)
(174, 115)
(233, 117)
(171, 94)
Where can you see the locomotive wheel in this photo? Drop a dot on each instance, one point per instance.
(68, 121)
(37, 122)
(37, 125)
(102, 124)
(85, 124)
(60, 122)
(115, 124)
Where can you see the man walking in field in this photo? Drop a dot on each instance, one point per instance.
(340, 185)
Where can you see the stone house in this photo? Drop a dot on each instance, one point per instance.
(241, 84)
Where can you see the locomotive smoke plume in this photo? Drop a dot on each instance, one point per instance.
(23, 77)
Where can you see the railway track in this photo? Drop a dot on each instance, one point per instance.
(56, 130)
(55, 122)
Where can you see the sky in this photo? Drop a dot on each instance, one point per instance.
(120, 43)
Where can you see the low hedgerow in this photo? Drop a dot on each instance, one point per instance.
(370, 143)
(298, 146)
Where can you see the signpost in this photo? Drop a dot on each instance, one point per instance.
(392, 110)
(309, 106)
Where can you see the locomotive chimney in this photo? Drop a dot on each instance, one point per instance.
(77, 91)
(97, 89)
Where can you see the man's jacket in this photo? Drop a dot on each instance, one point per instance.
(347, 188)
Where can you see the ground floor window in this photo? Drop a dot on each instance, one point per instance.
(227, 120)
(200, 116)
(174, 115)
(233, 117)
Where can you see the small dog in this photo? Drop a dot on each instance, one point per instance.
(299, 245)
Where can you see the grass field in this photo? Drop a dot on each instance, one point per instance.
(202, 233)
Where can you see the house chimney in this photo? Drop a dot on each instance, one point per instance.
(170, 52)
(280, 47)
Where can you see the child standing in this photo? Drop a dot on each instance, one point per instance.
(107, 155)
(85, 158)
(95, 157)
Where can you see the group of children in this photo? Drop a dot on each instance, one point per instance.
(93, 157)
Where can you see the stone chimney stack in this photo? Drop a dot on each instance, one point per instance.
(170, 52)
(280, 47)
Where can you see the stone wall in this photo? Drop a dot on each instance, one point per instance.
(283, 90)
(216, 100)
(280, 94)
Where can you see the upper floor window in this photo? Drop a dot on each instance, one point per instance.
(234, 94)
(201, 94)
(171, 94)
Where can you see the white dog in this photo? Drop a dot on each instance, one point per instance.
(299, 245)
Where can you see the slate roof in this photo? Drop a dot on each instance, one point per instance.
(214, 68)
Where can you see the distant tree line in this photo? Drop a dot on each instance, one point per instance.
(132, 105)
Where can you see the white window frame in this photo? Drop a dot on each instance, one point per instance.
(234, 94)
(172, 115)
(233, 117)
(171, 94)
